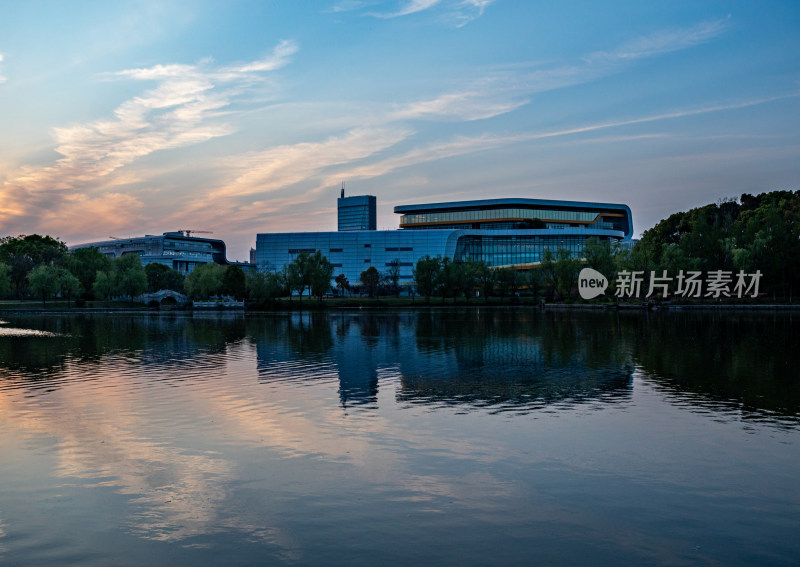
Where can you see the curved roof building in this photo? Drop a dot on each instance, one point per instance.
(501, 232)
(178, 250)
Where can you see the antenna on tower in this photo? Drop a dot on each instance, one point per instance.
(342, 189)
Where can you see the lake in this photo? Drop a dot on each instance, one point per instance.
(483, 436)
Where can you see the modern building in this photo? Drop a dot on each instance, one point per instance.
(501, 232)
(357, 213)
(178, 250)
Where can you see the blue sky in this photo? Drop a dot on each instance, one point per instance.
(125, 118)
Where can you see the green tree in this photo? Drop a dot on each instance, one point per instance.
(443, 284)
(104, 285)
(342, 283)
(5, 279)
(599, 255)
(130, 279)
(205, 280)
(371, 279)
(68, 285)
(549, 276)
(320, 272)
(535, 282)
(426, 275)
(486, 279)
(567, 268)
(393, 276)
(298, 272)
(23, 253)
(43, 281)
(263, 287)
(234, 282)
(161, 277)
(509, 281)
(84, 263)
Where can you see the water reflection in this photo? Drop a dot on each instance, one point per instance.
(504, 359)
(749, 361)
(227, 431)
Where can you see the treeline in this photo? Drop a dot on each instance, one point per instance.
(754, 234)
(41, 267)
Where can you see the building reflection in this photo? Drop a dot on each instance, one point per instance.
(476, 357)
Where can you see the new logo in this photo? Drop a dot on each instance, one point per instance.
(591, 283)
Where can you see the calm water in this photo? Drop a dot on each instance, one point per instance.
(488, 436)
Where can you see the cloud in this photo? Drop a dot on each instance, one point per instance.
(467, 105)
(460, 12)
(410, 7)
(660, 42)
(282, 166)
(187, 106)
(101, 172)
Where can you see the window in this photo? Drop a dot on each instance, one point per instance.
(335, 250)
(368, 246)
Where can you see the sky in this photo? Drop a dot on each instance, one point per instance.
(128, 118)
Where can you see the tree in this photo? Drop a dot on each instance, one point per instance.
(5, 279)
(161, 277)
(371, 279)
(599, 255)
(548, 273)
(567, 268)
(43, 281)
(320, 272)
(297, 274)
(535, 282)
(234, 282)
(131, 279)
(23, 253)
(509, 281)
(104, 285)
(68, 285)
(205, 280)
(84, 263)
(426, 275)
(342, 283)
(393, 276)
(460, 278)
(486, 279)
(263, 287)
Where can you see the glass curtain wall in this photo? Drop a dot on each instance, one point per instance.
(505, 250)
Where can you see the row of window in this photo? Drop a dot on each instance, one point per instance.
(507, 250)
(334, 250)
(491, 214)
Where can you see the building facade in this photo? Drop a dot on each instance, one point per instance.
(357, 213)
(501, 232)
(177, 250)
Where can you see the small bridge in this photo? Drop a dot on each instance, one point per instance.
(164, 297)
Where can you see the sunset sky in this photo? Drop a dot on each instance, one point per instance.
(129, 118)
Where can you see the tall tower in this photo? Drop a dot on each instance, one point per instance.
(357, 213)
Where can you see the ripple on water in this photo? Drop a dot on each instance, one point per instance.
(15, 332)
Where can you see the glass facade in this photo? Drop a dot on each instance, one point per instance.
(357, 213)
(496, 231)
(498, 214)
(174, 249)
(508, 250)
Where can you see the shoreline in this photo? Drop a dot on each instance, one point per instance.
(381, 306)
